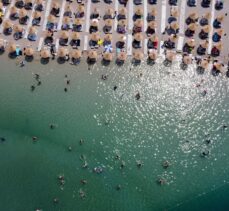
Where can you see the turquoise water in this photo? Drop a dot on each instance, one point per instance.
(169, 122)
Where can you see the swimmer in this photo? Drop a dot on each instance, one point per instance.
(107, 122)
(82, 194)
(52, 126)
(115, 87)
(204, 93)
(32, 88)
(61, 177)
(55, 200)
(22, 63)
(85, 165)
(165, 164)
(98, 170)
(123, 164)
(117, 157)
(118, 187)
(37, 76)
(208, 141)
(34, 138)
(82, 157)
(2, 139)
(205, 153)
(161, 181)
(81, 141)
(137, 96)
(83, 181)
(38, 83)
(224, 127)
(65, 89)
(104, 77)
(69, 148)
(139, 163)
(66, 76)
(68, 82)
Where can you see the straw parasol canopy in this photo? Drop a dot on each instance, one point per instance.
(219, 45)
(75, 35)
(51, 18)
(29, 51)
(152, 24)
(193, 15)
(68, 8)
(80, 8)
(192, 26)
(95, 36)
(12, 48)
(207, 15)
(62, 52)
(22, 13)
(109, 11)
(108, 22)
(191, 42)
(122, 56)
(204, 63)
(39, 1)
(153, 54)
(173, 38)
(138, 55)
(28, 1)
(123, 11)
(55, 5)
(153, 11)
(66, 20)
(108, 37)
(170, 55)
(7, 24)
(206, 28)
(122, 22)
(36, 14)
(174, 12)
(2, 43)
(138, 11)
(64, 35)
(76, 54)
(18, 28)
(204, 44)
(220, 18)
(220, 32)
(13, 10)
(95, 22)
(32, 30)
(1, 5)
(45, 54)
(122, 38)
(138, 37)
(107, 56)
(138, 23)
(92, 54)
(174, 25)
(78, 21)
(218, 66)
(48, 33)
(187, 59)
(154, 38)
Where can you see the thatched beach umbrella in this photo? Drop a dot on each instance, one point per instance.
(153, 54)
(123, 11)
(76, 54)
(75, 35)
(12, 48)
(66, 20)
(29, 51)
(218, 66)
(78, 21)
(18, 28)
(138, 55)
(13, 10)
(174, 25)
(152, 24)
(32, 30)
(187, 59)
(48, 33)
(170, 55)
(28, 1)
(207, 15)
(68, 8)
(55, 5)
(51, 18)
(122, 38)
(193, 15)
(39, 1)
(109, 11)
(174, 12)
(138, 23)
(220, 32)
(173, 37)
(22, 13)
(109, 22)
(92, 54)
(219, 45)
(154, 38)
(122, 56)
(191, 42)
(80, 8)
(153, 11)
(107, 56)
(204, 44)
(204, 63)
(192, 26)
(220, 18)
(62, 52)
(45, 54)
(206, 28)
(7, 24)
(64, 35)
(122, 22)
(108, 37)
(95, 36)
(138, 37)
(139, 11)
(36, 14)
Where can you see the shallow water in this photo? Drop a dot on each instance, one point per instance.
(169, 122)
